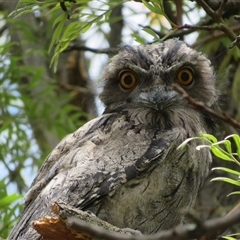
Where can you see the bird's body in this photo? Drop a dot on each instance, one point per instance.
(124, 166)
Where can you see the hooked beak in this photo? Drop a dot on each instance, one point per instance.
(159, 98)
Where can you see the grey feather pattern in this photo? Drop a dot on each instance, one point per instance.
(123, 166)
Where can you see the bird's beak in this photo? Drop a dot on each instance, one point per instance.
(159, 97)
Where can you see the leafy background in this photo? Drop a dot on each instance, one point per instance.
(51, 57)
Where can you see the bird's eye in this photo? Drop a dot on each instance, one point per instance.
(127, 79)
(185, 76)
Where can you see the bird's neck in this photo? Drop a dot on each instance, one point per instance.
(168, 118)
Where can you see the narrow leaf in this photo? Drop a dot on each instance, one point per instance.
(234, 193)
(152, 8)
(206, 136)
(202, 146)
(9, 199)
(236, 139)
(151, 32)
(227, 170)
(188, 140)
(228, 146)
(228, 180)
(138, 39)
(220, 153)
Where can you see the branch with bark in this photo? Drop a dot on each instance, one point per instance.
(59, 226)
(217, 18)
(203, 108)
(71, 223)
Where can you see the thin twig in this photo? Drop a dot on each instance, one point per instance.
(208, 28)
(94, 50)
(213, 36)
(217, 17)
(221, 7)
(200, 106)
(235, 42)
(74, 88)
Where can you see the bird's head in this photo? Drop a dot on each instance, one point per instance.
(142, 76)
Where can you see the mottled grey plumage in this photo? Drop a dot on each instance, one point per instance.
(123, 166)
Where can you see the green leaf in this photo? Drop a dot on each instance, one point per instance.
(199, 147)
(227, 170)
(183, 144)
(53, 9)
(228, 146)
(206, 136)
(9, 199)
(59, 30)
(21, 12)
(153, 7)
(236, 139)
(138, 39)
(151, 32)
(225, 179)
(228, 238)
(107, 15)
(61, 18)
(220, 153)
(234, 193)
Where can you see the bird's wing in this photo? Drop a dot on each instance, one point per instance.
(53, 162)
(95, 160)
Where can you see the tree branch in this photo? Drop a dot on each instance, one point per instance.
(213, 36)
(200, 230)
(111, 51)
(217, 17)
(71, 223)
(202, 108)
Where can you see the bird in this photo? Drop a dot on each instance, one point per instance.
(124, 166)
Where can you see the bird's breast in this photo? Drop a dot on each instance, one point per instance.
(149, 203)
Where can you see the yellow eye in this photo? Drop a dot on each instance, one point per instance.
(185, 76)
(127, 79)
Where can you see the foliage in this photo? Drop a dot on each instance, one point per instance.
(84, 15)
(62, 35)
(232, 236)
(224, 151)
(26, 103)
(8, 209)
